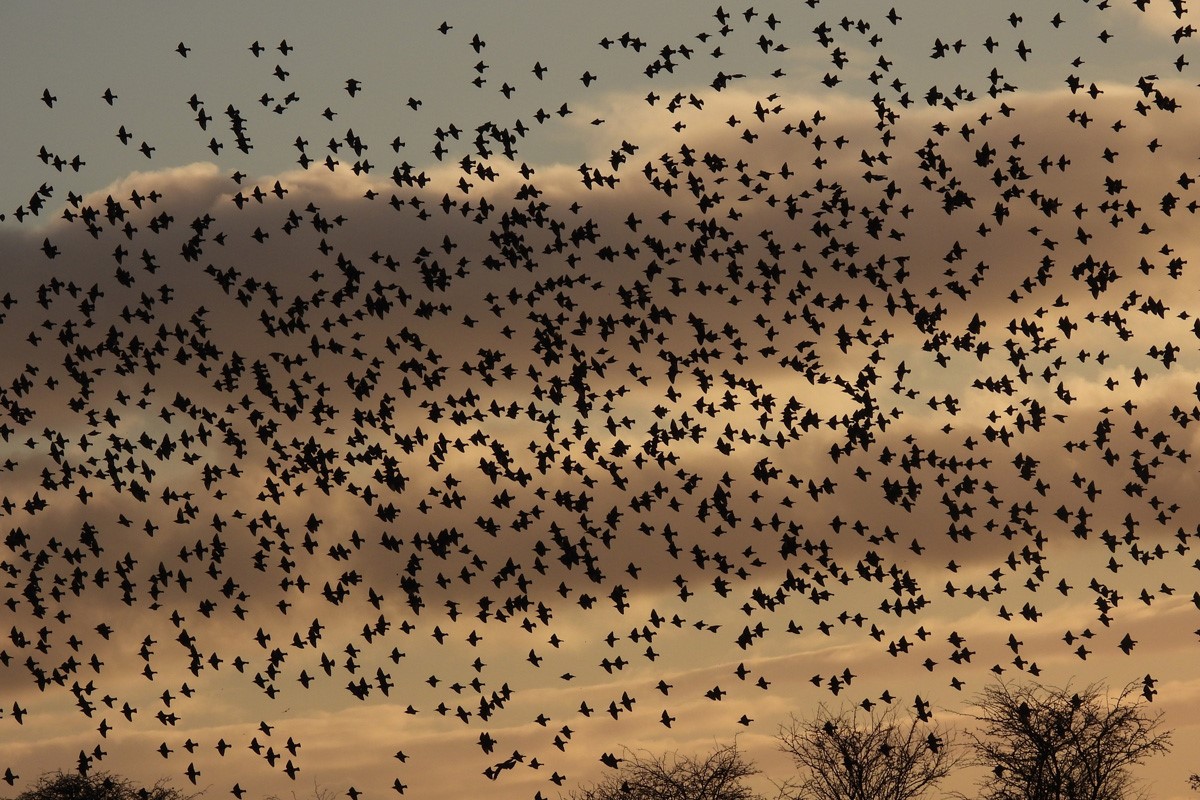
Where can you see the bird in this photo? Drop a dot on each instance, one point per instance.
(786, 355)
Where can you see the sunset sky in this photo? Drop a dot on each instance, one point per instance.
(504, 386)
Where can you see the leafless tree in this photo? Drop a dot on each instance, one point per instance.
(858, 755)
(1045, 743)
(719, 775)
(97, 786)
(318, 793)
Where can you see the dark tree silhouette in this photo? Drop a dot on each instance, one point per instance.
(97, 786)
(719, 775)
(1044, 743)
(856, 755)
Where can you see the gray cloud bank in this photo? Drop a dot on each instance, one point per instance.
(761, 389)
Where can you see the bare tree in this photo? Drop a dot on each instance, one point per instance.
(318, 793)
(1046, 743)
(97, 786)
(719, 775)
(876, 755)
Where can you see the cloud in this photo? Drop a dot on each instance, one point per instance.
(579, 403)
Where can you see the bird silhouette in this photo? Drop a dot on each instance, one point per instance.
(782, 368)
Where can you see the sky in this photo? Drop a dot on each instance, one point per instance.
(445, 398)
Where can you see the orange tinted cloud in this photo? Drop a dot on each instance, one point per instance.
(767, 392)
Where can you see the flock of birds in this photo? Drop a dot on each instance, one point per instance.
(726, 380)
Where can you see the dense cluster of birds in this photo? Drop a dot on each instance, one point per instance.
(686, 378)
